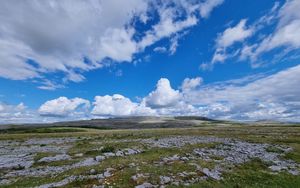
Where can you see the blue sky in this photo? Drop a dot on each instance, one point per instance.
(93, 59)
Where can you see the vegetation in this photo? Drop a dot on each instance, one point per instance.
(93, 142)
(19, 130)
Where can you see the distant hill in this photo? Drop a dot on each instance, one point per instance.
(143, 122)
(137, 122)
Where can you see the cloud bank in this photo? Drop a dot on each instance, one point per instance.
(272, 97)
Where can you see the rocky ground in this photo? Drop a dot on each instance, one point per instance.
(148, 160)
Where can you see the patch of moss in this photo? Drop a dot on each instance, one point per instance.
(274, 149)
(108, 148)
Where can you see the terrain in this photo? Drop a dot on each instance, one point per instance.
(150, 152)
(137, 122)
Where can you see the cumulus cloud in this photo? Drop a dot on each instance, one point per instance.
(118, 44)
(163, 96)
(265, 88)
(6, 108)
(63, 107)
(118, 105)
(16, 114)
(236, 99)
(273, 97)
(72, 37)
(191, 83)
(81, 30)
(244, 100)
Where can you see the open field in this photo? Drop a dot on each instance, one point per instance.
(209, 155)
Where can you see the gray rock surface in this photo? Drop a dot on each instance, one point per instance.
(100, 158)
(50, 170)
(105, 174)
(215, 174)
(238, 152)
(180, 141)
(165, 179)
(18, 161)
(60, 157)
(145, 185)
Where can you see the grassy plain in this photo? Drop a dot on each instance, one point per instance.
(254, 173)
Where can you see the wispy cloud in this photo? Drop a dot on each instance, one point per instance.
(284, 35)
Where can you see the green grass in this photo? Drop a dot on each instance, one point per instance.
(274, 149)
(38, 156)
(94, 142)
(40, 130)
(108, 148)
(105, 149)
(295, 156)
(254, 174)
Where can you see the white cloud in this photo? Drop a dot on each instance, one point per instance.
(63, 107)
(174, 17)
(60, 36)
(118, 105)
(276, 87)
(16, 114)
(173, 45)
(118, 44)
(207, 6)
(229, 37)
(48, 85)
(280, 89)
(247, 51)
(191, 83)
(167, 26)
(160, 49)
(163, 95)
(274, 97)
(162, 101)
(6, 108)
(13, 66)
(269, 111)
(234, 34)
(289, 12)
(284, 36)
(65, 33)
(219, 56)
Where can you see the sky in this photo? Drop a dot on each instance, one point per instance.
(64, 60)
